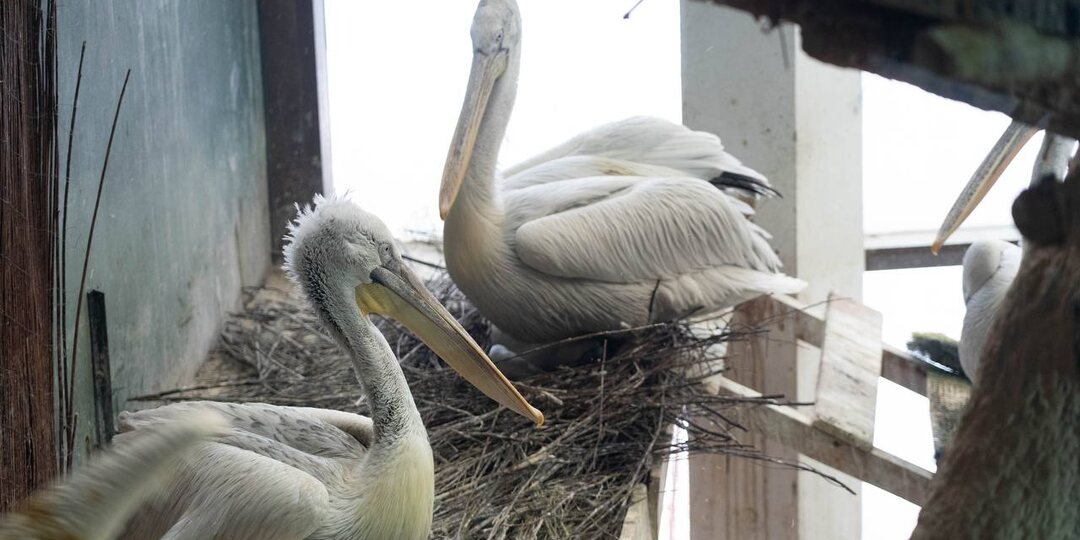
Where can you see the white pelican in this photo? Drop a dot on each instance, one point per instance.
(989, 269)
(990, 266)
(1012, 469)
(611, 229)
(97, 500)
(290, 473)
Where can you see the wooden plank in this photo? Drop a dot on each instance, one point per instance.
(100, 367)
(897, 365)
(846, 396)
(1014, 69)
(638, 523)
(27, 226)
(735, 498)
(1060, 17)
(787, 426)
(294, 157)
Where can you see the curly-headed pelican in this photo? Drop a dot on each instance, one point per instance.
(620, 226)
(96, 500)
(290, 473)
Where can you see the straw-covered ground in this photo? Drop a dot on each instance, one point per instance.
(497, 476)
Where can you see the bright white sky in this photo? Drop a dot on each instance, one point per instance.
(397, 74)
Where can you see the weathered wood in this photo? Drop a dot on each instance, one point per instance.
(27, 168)
(735, 498)
(784, 425)
(1009, 67)
(897, 365)
(846, 396)
(1060, 17)
(293, 140)
(101, 368)
(638, 523)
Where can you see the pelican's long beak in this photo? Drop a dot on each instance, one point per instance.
(486, 69)
(399, 295)
(995, 163)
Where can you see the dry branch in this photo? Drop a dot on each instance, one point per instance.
(607, 421)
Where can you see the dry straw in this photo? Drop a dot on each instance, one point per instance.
(608, 421)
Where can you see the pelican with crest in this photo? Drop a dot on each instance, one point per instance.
(291, 473)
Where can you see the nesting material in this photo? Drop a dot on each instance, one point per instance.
(497, 476)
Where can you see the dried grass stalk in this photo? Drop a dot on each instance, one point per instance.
(496, 475)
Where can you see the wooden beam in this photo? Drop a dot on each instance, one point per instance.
(1059, 17)
(1009, 66)
(738, 499)
(101, 368)
(638, 523)
(27, 225)
(897, 365)
(789, 427)
(291, 96)
(846, 397)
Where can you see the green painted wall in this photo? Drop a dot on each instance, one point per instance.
(183, 224)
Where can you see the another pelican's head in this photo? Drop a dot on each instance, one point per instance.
(338, 253)
(496, 34)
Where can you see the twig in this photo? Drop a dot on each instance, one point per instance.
(86, 264)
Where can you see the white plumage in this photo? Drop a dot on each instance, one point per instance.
(290, 473)
(989, 269)
(97, 500)
(633, 222)
(991, 266)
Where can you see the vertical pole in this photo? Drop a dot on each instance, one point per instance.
(27, 170)
(798, 122)
(99, 363)
(290, 62)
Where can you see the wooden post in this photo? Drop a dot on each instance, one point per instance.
(294, 146)
(797, 121)
(102, 371)
(27, 168)
(736, 498)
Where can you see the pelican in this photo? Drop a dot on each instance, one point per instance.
(947, 386)
(989, 266)
(1012, 469)
(97, 500)
(290, 473)
(989, 269)
(633, 222)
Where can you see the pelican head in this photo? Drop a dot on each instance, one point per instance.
(984, 259)
(496, 34)
(339, 254)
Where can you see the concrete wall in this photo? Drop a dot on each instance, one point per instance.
(183, 224)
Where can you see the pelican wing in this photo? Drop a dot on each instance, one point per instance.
(97, 499)
(651, 141)
(302, 428)
(625, 230)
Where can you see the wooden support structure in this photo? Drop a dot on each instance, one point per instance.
(1019, 58)
(836, 430)
(27, 225)
(846, 395)
(294, 145)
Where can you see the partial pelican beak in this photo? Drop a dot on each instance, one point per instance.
(486, 69)
(400, 295)
(995, 163)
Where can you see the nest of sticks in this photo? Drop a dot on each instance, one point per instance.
(497, 476)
